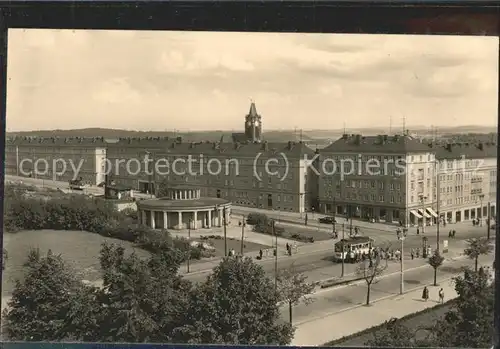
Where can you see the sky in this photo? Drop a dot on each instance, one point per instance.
(140, 80)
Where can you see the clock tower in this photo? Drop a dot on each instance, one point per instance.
(253, 125)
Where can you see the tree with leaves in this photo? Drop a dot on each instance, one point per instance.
(470, 321)
(392, 334)
(5, 257)
(370, 269)
(41, 302)
(435, 261)
(237, 304)
(477, 247)
(293, 288)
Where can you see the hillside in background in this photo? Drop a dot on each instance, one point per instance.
(308, 136)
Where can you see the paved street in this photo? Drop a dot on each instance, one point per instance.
(328, 301)
(347, 316)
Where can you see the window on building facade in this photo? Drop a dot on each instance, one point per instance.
(392, 199)
(381, 198)
(391, 186)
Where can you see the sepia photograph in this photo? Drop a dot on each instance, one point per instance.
(250, 188)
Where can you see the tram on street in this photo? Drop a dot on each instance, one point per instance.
(351, 248)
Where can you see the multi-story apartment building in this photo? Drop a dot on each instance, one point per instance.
(60, 159)
(467, 180)
(375, 178)
(397, 179)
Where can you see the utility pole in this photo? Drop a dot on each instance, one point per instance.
(334, 211)
(242, 235)
(189, 244)
(225, 232)
(275, 257)
(401, 237)
(343, 256)
(488, 221)
(438, 205)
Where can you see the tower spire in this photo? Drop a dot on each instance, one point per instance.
(404, 125)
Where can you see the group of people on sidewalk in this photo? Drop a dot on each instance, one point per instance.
(289, 249)
(425, 295)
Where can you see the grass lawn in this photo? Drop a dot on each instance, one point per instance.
(233, 243)
(414, 321)
(316, 234)
(79, 248)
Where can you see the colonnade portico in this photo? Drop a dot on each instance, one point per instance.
(189, 211)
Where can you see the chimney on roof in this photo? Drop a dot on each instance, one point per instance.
(480, 146)
(448, 147)
(357, 140)
(290, 145)
(179, 140)
(191, 145)
(345, 136)
(265, 146)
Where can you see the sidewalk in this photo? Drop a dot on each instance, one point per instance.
(295, 217)
(359, 318)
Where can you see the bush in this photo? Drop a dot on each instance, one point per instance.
(256, 218)
(95, 215)
(302, 238)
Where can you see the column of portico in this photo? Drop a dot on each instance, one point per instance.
(165, 220)
(209, 214)
(195, 220)
(219, 215)
(180, 220)
(143, 217)
(152, 219)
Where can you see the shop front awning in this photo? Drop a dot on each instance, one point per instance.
(416, 214)
(424, 213)
(432, 212)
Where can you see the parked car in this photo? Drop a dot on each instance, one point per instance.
(327, 220)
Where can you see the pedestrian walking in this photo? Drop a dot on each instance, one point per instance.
(412, 253)
(260, 254)
(441, 296)
(418, 252)
(425, 294)
(418, 231)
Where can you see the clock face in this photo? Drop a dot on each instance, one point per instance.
(249, 123)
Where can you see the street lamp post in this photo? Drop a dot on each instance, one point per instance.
(243, 224)
(343, 251)
(481, 197)
(489, 221)
(401, 233)
(189, 244)
(334, 215)
(438, 205)
(275, 256)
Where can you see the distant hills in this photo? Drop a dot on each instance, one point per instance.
(308, 136)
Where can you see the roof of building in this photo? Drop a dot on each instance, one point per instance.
(478, 150)
(292, 149)
(239, 137)
(397, 144)
(172, 205)
(169, 145)
(253, 110)
(56, 141)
